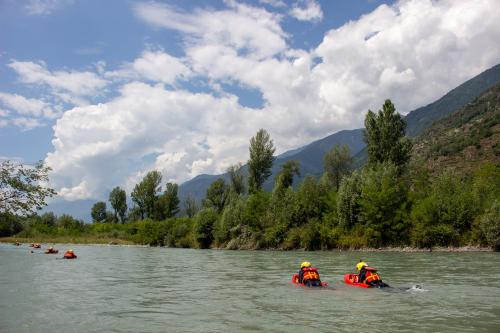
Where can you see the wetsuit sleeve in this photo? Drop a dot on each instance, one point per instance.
(301, 276)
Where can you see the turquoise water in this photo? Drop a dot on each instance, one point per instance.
(137, 289)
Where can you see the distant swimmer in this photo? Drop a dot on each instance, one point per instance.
(69, 255)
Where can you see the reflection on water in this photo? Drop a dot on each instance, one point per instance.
(135, 289)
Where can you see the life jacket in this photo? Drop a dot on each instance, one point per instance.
(310, 273)
(371, 275)
(69, 255)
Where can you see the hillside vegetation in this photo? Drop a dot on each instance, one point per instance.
(465, 139)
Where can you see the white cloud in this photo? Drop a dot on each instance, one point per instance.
(252, 31)
(412, 52)
(27, 106)
(27, 124)
(307, 10)
(70, 86)
(99, 143)
(155, 66)
(45, 7)
(274, 3)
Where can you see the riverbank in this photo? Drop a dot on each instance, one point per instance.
(87, 240)
(115, 241)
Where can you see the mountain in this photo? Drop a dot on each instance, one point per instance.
(465, 138)
(422, 118)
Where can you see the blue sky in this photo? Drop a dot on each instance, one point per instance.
(105, 91)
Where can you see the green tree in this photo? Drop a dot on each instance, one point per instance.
(190, 206)
(308, 203)
(385, 136)
(284, 179)
(118, 200)
(384, 206)
(236, 178)
(216, 195)
(348, 200)
(23, 189)
(450, 205)
(232, 216)
(168, 202)
(486, 184)
(98, 212)
(337, 163)
(204, 225)
(146, 192)
(261, 160)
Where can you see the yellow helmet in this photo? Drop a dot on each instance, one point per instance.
(70, 251)
(360, 265)
(305, 264)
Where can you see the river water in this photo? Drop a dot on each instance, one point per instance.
(139, 289)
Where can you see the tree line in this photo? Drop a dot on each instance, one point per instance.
(393, 200)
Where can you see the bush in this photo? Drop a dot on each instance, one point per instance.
(205, 222)
(490, 225)
(9, 225)
(437, 235)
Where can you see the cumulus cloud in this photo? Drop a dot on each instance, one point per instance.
(70, 86)
(154, 66)
(99, 143)
(412, 52)
(249, 30)
(26, 113)
(307, 10)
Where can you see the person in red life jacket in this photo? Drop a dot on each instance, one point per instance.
(51, 250)
(369, 275)
(309, 275)
(69, 255)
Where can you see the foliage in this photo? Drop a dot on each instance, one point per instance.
(23, 190)
(118, 200)
(190, 206)
(144, 194)
(348, 205)
(449, 202)
(284, 179)
(204, 224)
(385, 136)
(98, 212)
(490, 225)
(255, 209)
(261, 160)
(167, 204)
(216, 195)
(236, 178)
(232, 216)
(337, 163)
(383, 206)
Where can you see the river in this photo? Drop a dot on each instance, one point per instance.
(140, 289)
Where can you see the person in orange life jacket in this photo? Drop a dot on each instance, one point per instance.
(308, 275)
(368, 275)
(69, 255)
